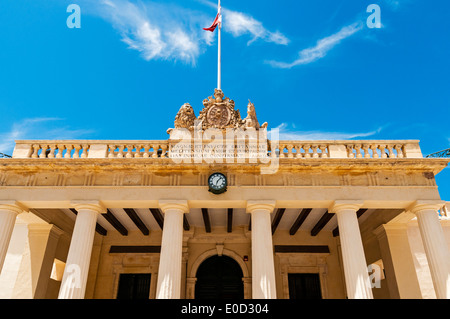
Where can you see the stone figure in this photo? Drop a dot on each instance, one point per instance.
(185, 117)
(251, 120)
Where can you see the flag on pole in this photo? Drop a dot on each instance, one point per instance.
(216, 22)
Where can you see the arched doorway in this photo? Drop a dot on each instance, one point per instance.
(219, 277)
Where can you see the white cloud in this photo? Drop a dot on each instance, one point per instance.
(238, 24)
(159, 31)
(167, 31)
(36, 128)
(322, 47)
(286, 134)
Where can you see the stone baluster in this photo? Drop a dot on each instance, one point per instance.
(36, 149)
(289, 149)
(138, 154)
(120, 153)
(69, 149)
(358, 151)
(61, 149)
(111, 149)
(365, 148)
(391, 151)
(84, 152)
(383, 151)
(52, 148)
(399, 149)
(306, 147)
(155, 150)
(146, 151)
(374, 149)
(129, 151)
(314, 149)
(350, 153)
(164, 148)
(76, 153)
(43, 151)
(323, 149)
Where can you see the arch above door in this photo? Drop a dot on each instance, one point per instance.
(191, 280)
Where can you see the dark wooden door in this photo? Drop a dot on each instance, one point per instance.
(304, 286)
(134, 286)
(219, 277)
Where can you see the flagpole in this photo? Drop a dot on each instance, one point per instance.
(219, 66)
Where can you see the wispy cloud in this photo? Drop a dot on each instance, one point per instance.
(37, 128)
(287, 134)
(167, 31)
(239, 24)
(159, 31)
(322, 47)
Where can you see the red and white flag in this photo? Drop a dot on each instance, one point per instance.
(217, 21)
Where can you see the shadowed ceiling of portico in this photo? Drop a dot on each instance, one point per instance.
(145, 221)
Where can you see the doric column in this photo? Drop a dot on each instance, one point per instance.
(170, 262)
(435, 245)
(73, 285)
(8, 213)
(263, 269)
(355, 267)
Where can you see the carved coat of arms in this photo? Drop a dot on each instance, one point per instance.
(218, 112)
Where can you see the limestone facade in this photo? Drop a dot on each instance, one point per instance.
(75, 215)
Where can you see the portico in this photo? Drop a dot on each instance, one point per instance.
(326, 209)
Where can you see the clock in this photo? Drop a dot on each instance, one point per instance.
(217, 183)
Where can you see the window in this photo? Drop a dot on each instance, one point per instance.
(304, 286)
(134, 286)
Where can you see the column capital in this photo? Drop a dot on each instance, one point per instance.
(340, 205)
(93, 205)
(420, 205)
(13, 206)
(174, 204)
(253, 205)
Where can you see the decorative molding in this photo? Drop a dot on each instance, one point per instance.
(31, 180)
(310, 249)
(147, 179)
(61, 180)
(135, 250)
(253, 205)
(174, 204)
(340, 205)
(89, 179)
(3, 179)
(426, 205)
(118, 179)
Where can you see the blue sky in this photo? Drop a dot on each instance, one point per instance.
(312, 68)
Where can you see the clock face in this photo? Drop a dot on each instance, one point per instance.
(217, 183)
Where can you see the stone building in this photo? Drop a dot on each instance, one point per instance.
(222, 210)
